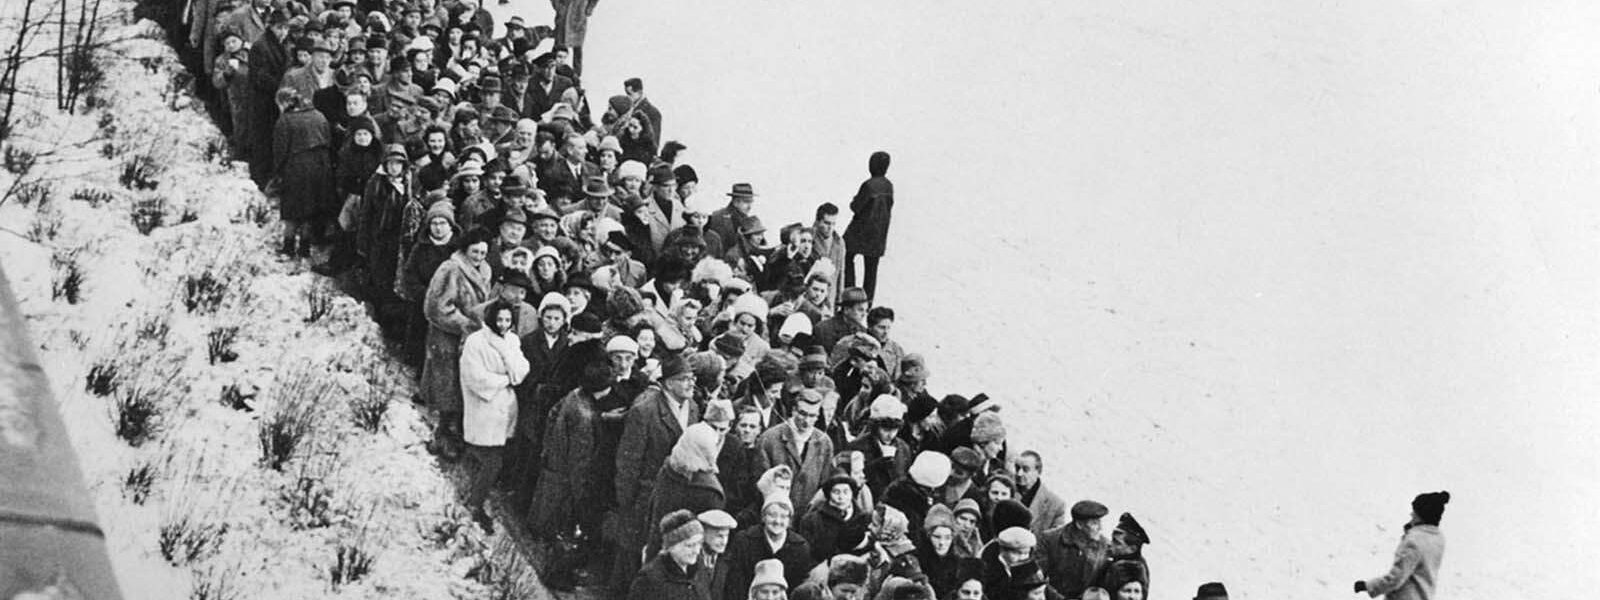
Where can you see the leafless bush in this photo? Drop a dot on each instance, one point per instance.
(137, 411)
(19, 161)
(450, 527)
(368, 409)
(219, 343)
(46, 224)
(505, 571)
(258, 211)
(32, 193)
(216, 150)
(207, 285)
(234, 397)
(140, 172)
(293, 413)
(102, 378)
(319, 301)
(136, 484)
(153, 327)
(309, 499)
(354, 554)
(94, 197)
(193, 520)
(67, 275)
(186, 538)
(149, 213)
(215, 583)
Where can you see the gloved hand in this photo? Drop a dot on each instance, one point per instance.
(1361, 586)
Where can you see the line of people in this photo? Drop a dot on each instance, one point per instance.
(680, 408)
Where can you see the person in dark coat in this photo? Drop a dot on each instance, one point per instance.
(755, 544)
(303, 160)
(433, 246)
(688, 480)
(835, 527)
(1074, 556)
(913, 494)
(572, 26)
(378, 238)
(736, 465)
(868, 232)
(944, 567)
(269, 60)
(671, 574)
(649, 431)
(545, 90)
(888, 457)
(564, 499)
(850, 319)
(713, 575)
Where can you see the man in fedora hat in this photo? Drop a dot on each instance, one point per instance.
(849, 319)
(730, 219)
(617, 251)
(489, 90)
(597, 200)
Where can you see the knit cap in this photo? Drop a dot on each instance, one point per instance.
(679, 526)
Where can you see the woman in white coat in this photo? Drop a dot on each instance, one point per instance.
(491, 364)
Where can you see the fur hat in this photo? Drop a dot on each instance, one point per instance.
(775, 366)
(913, 369)
(939, 516)
(908, 590)
(968, 505)
(679, 526)
(716, 519)
(846, 568)
(795, 324)
(624, 302)
(631, 168)
(1011, 513)
(751, 304)
(621, 343)
(672, 366)
(586, 323)
(839, 476)
(1016, 539)
(728, 346)
(1132, 530)
(441, 210)
(556, 300)
(708, 368)
(718, 409)
(929, 469)
(886, 407)
(1088, 509)
(711, 269)
(824, 267)
(768, 572)
(988, 428)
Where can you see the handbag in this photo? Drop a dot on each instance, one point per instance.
(348, 213)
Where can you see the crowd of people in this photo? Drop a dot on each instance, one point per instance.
(681, 409)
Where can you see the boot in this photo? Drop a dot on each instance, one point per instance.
(287, 249)
(303, 249)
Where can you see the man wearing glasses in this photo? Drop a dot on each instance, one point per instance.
(800, 445)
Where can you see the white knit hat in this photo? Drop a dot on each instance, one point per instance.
(622, 343)
(887, 407)
(768, 572)
(556, 300)
(632, 168)
(795, 324)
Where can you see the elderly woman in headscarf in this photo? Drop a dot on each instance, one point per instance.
(892, 554)
(836, 526)
(688, 479)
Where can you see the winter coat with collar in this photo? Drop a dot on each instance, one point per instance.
(712, 576)
(777, 447)
(1071, 559)
(828, 333)
(736, 469)
(421, 263)
(909, 498)
(827, 528)
(1416, 566)
(663, 579)
(945, 573)
(380, 226)
(269, 58)
(455, 288)
(536, 101)
(831, 247)
(649, 431)
(490, 365)
(1048, 509)
(695, 492)
(749, 546)
(303, 157)
(569, 460)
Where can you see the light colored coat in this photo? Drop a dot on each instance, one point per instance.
(456, 287)
(1049, 510)
(490, 365)
(776, 446)
(1416, 566)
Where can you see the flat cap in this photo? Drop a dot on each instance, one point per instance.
(1088, 509)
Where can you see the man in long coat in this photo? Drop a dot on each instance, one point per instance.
(572, 25)
(868, 232)
(1074, 555)
(649, 431)
(269, 59)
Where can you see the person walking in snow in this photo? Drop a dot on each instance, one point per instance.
(1416, 562)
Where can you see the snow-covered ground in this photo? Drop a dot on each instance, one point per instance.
(1256, 271)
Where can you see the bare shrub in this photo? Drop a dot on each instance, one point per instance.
(102, 378)
(257, 210)
(32, 193)
(19, 161)
(46, 224)
(367, 410)
(138, 411)
(136, 484)
(205, 289)
(186, 538)
(140, 172)
(293, 413)
(215, 583)
(235, 398)
(94, 197)
(319, 301)
(452, 526)
(149, 213)
(67, 275)
(219, 343)
(309, 499)
(353, 554)
(153, 327)
(193, 521)
(505, 571)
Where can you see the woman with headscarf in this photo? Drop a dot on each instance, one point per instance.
(688, 479)
(946, 570)
(491, 365)
(547, 274)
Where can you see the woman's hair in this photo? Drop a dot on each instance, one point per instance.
(492, 313)
(1095, 593)
(878, 164)
(288, 99)
(480, 235)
